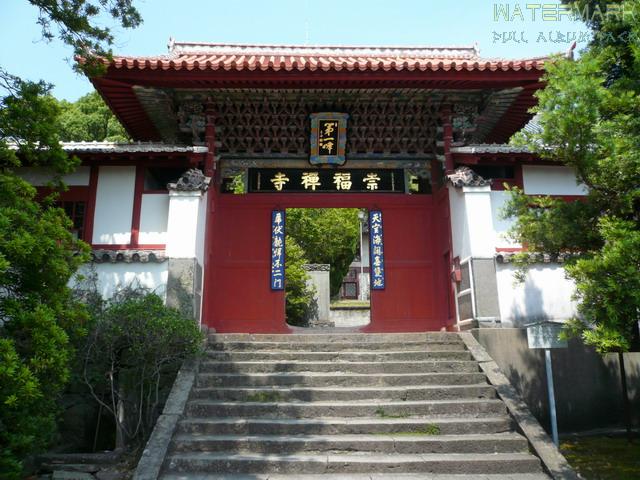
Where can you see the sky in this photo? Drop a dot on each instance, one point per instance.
(501, 29)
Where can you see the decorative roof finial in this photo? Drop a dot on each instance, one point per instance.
(171, 44)
(569, 52)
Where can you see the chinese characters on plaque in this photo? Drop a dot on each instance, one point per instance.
(376, 247)
(326, 180)
(328, 138)
(277, 250)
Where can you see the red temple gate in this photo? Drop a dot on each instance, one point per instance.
(238, 297)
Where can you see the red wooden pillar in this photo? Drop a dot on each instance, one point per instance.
(210, 142)
(447, 138)
(209, 171)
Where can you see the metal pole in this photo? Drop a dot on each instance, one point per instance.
(552, 399)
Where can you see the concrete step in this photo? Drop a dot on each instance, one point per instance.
(425, 366)
(387, 444)
(345, 356)
(471, 407)
(328, 338)
(355, 476)
(344, 426)
(335, 346)
(223, 462)
(329, 379)
(311, 394)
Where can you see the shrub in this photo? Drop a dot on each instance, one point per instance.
(132, 354)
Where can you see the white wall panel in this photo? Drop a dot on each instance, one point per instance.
(202, 227)
(501, 226)
(115, 276)
(550, 180)
(114, 205)
(39, 177)
(154, 213)
(546, 294)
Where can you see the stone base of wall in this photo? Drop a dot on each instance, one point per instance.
(350, 316)
(587, 385)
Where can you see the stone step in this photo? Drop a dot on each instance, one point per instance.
(424, 366)
(348, 356)
(344, 426)
(430, 392)
(336, 346)
(328, 338)
(471, 407)
(338, 379)
(354, 476)
(387, 444)
(222, 462)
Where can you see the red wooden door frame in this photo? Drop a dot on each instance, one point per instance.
(237, 297)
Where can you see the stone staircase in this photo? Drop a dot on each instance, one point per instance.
(344, 406)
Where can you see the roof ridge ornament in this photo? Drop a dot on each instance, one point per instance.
(465, 177)
(191, 181)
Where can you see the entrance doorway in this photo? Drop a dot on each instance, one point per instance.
(238, 296)
(327, 267)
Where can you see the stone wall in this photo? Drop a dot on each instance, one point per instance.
(587, 385)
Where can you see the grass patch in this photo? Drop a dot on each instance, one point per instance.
(603, 457)
(350, 303)
(425, 430)
(264, 397)
(382, 414)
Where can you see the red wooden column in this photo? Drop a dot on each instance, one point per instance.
(447, 138)
(209, 171)
(210, 142)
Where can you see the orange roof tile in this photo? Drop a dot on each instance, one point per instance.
(210, 56)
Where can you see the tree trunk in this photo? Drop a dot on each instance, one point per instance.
(625, 397)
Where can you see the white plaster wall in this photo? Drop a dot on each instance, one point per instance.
(459, 228)
(546, 294)
(201, 228)
(182, 228)
(114, 205)
(154, 213)
(551, 180)
(500, 225)
(39, 177)
(115, 276)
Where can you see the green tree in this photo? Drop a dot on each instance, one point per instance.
(327, 235)
(38, 254)
(589, 114)
(298, 295)
(89, 119)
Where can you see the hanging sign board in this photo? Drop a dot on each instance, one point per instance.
(328, 138)
(277, 250)
(285, 180)
(545, 335)
(376, 249)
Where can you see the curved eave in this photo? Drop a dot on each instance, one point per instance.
(116, 85)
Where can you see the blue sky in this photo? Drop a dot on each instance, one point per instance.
(326, 22)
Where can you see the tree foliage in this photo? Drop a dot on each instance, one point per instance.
(589, 112)
(38, 254)
(326, 235)
(89, 119)
(299, 296)
(134, 348)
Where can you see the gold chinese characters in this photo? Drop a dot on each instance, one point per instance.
(279, 180)
(371, 180)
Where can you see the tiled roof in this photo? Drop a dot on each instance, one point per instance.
(485, 148)
(137, 147)
(128, 256)
(212, 56)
